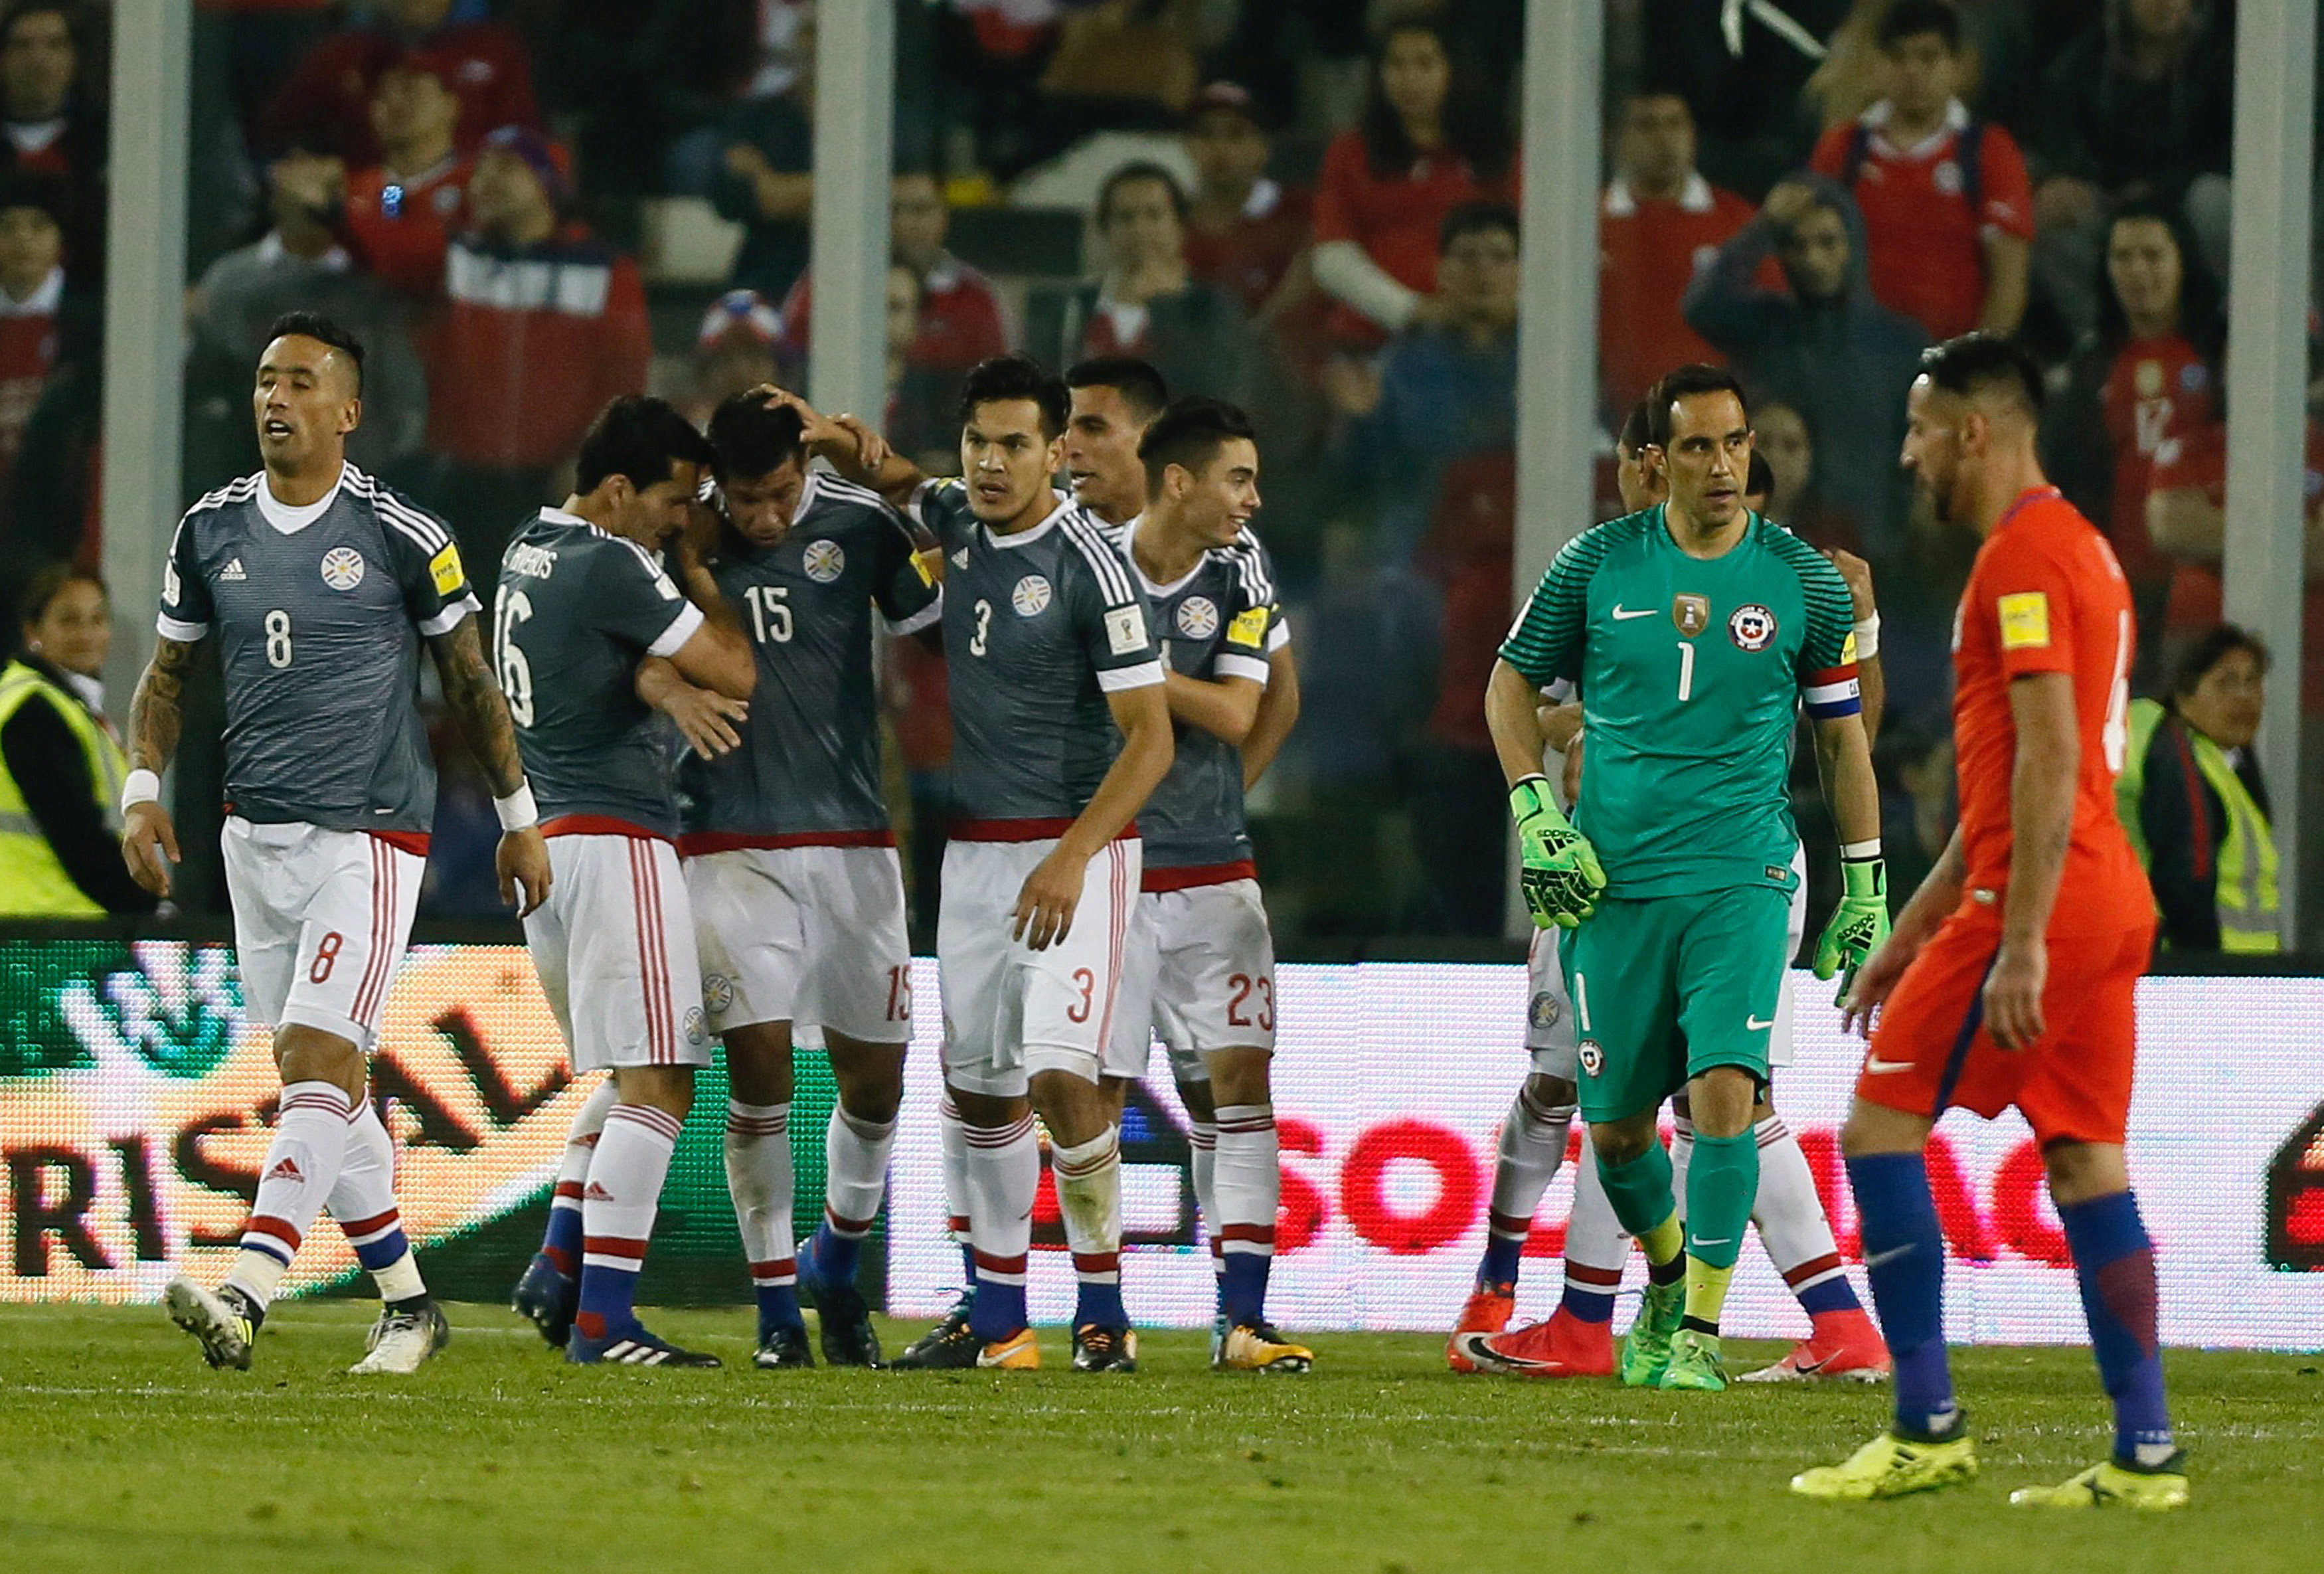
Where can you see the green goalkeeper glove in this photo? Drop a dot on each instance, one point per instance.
(1859, 924)
(1557, 867)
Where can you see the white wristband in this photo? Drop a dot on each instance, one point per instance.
(517, 810)
(1858, 852)
(140, 787)
(1867, 637)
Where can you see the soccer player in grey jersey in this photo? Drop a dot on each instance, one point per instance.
(583, 599)
(790, 862)
(320, 585)
(1060, 734)
(1199, 968)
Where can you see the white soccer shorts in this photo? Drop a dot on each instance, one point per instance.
(321, 919)
(1198, 973)
(1011, 1010)
(614, 948)
(808, 935)
(1550, 1038)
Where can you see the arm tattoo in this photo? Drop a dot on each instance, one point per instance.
(155, 717)
(478, 708)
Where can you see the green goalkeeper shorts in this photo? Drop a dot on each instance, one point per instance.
(1668, 987)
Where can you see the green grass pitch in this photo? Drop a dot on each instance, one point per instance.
(120, 1451)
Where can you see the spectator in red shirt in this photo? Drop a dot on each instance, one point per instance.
(325, 105)
(963, 320)
(400, 212)
(48, 126)
(1948, 209)
(2148, 375)
(1246, 233)
(1424, 147)
(542, 324)
(1661, 221)
(31, 290)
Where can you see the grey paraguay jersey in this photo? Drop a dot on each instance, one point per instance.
(318, 613)
(808, 770)
(578, 608)
(1222, 620)
(1039, 627)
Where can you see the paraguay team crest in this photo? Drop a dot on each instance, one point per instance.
(1692, 613)
(343, 567)
(717, 993)
(825, 562)
(1544, 1012)
(1752, 629)
(1031, 596)
(1198, 618)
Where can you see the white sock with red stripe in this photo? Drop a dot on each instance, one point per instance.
(1089, 1198)
(855, 1180)
(1002, 1167)
(562, 1243)
(617, 1214)
(1250, 1190)
(760, 1180)
(952, 1148)
(1534, 1137)
(302, 1165)
(1793, 1226)
(1203, 1159)
(1681, 1153)
(364, 1202)
(1596, 1247)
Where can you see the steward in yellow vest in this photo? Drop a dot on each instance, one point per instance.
(60, 774)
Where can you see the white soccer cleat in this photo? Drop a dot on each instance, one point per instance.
(400, 1340)
(220, 1320)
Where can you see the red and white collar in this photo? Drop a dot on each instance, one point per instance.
(1876, 121)
(1694, 197)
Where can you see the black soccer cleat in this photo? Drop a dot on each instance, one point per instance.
(1099, 1348)
(949, 1347)
(844, 1315)
(782, 1350)
(547, 1299)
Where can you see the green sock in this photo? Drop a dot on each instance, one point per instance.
(1640, 1191)
(1722, 1185)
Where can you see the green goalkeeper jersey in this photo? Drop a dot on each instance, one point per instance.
(1692, 672)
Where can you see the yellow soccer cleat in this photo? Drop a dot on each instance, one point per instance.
(2112, 1485)
(1891, 1466)
(1260, 1347)
(1018, 1352)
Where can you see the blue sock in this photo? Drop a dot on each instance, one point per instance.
(1502, 1255)
(384, 1252)
(1905, 1254)
(968, 1265)
(1834, 1294)
(1099, 1299)
(999, 1311)
(836, 1254)
(2115, 1262)
(779, 1308)
(1242, 1287)
(562, 1245)
(607, 1297)
(1587, 1304)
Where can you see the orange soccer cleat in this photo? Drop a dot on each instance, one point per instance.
(1488, 1309)
(1841, 1345)
(1562, 1347)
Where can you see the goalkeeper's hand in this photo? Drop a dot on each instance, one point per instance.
(1859, 924)
(1556, 866)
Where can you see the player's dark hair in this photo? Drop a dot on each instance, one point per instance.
(1474, 126)
(322, 330)
(750, 438)
(1141, 387)
(1637, 429)
(1687, 382)
(640, 438)
(1476, 218)
(47, 584)
(1189, 435)
(1916, 18)
(1760, 480)
(2207, 653)
(1016, 376)
(1139, 169)
(1984, 362)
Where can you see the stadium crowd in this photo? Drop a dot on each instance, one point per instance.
(1305, 206)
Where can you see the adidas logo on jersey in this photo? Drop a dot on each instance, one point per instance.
(596, 1192)
(287, 1169)
(233, 572)
(960, 559)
